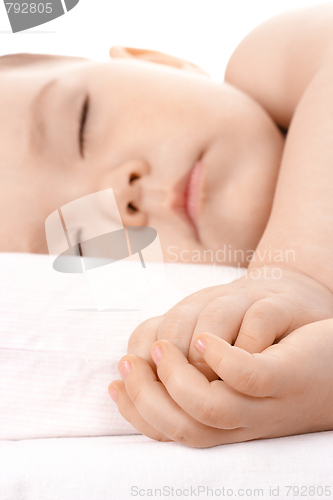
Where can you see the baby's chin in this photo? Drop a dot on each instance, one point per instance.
(229, 237)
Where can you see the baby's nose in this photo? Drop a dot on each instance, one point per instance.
(126, 180)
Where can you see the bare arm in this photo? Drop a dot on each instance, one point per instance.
(286, 65)
(302, 213)
(276, 62)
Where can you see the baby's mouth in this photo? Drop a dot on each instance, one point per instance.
(187, 195)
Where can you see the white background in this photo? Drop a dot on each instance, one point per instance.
(202, 31)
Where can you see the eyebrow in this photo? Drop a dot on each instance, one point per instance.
(37, 123)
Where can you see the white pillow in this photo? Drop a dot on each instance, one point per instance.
(58, 354)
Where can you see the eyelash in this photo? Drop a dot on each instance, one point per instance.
(83, 121)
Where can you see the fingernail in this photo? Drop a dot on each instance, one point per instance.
(113, 394)
(200, 345)
(124, 368)
(156, 354)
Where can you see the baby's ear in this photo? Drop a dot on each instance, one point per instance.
(156, 57)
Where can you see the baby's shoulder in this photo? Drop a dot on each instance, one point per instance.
(276, 61)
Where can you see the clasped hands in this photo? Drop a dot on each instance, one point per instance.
(247, 360)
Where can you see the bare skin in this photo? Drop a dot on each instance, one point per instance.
(266, 390)
(264, 395)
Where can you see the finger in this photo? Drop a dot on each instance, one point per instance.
(143, 337)
(258, 375)
(223, 317)
(266, 321)
(130, 413)
(179, 322)
(158, 409)
(212, 403)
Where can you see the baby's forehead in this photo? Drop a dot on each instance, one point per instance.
(31, 61)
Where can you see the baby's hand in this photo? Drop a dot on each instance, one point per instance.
(287, 389)
(251, 313)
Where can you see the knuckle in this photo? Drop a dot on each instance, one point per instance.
(257, 313)
(206, 413)
(149, 325)
(249, 339)
(130, 415)
(213, 312)
(138, 395)
(222, 415)
(221, 301)
(170, 379)
(218, 363)
(181, 309)
(210, 315)
(162, 439)
(197, 297)
(135, 344)
(151, 322)
(228, 420)
(180, 434)
(176, 321)
(135, 338)
(247, 380)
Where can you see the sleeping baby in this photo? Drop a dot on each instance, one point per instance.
(244, 165)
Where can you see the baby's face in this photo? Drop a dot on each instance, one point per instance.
(149, 131)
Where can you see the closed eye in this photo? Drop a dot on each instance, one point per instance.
(82, 128)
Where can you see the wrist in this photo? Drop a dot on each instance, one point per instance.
(307, 258)
(276, 271)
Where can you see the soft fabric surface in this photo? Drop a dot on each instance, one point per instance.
(106, 468)
(58, 354)
(57, 357)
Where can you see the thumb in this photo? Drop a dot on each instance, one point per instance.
(259, 375)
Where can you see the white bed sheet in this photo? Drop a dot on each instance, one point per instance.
(58, 354)
(106, 468)
(56, 360)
